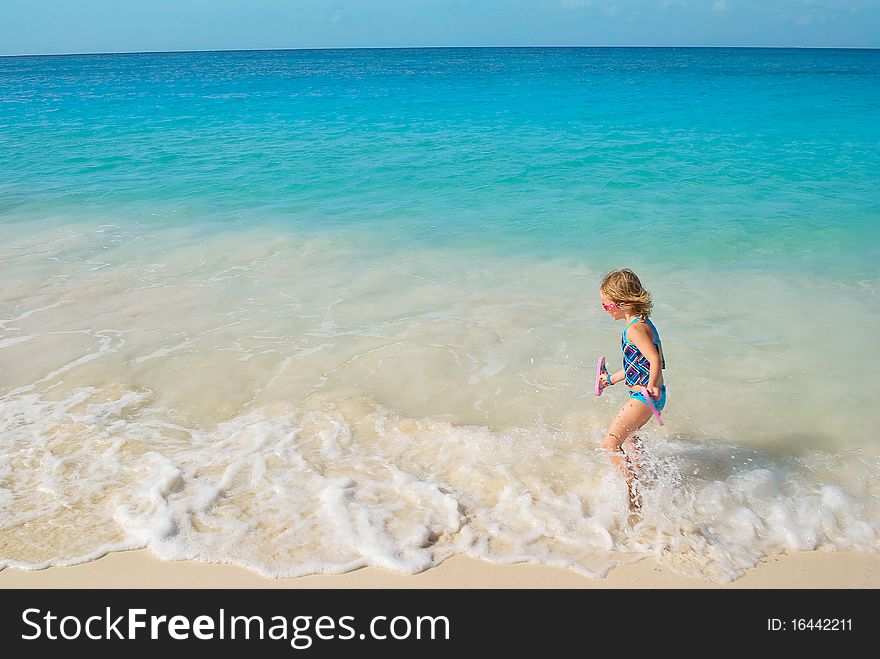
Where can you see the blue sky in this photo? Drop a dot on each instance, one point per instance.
(84, 26)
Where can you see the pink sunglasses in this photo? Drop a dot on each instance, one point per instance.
(609, 307)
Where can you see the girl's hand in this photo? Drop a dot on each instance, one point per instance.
(604, 381)
(653, 392)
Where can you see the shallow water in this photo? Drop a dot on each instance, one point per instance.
(307, 311)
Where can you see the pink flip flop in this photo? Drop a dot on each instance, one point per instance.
(650, 402)
(600, 369)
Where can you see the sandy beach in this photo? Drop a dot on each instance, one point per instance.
(139, 569)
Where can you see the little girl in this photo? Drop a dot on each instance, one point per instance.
(624, 298)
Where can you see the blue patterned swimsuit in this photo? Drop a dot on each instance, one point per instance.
(638, 368)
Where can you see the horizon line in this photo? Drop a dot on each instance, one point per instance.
(267, 50)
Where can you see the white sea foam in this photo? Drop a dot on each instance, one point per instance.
(344, 484)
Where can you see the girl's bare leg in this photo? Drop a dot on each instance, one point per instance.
(631, 417)
(634, 453)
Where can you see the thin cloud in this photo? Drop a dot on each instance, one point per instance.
(576, 5)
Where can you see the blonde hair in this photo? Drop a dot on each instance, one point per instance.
(626, 291)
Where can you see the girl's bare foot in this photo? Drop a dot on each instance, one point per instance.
(635, 504)
(635, 497)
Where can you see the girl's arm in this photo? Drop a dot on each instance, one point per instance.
(640, 335)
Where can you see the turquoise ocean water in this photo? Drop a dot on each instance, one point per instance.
(342, 304)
